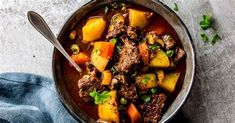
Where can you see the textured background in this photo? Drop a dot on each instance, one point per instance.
(212, 100)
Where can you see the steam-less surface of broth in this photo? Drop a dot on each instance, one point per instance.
(156, 24)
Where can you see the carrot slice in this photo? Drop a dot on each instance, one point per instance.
(133, 113)
(80, 58)
(105, 49)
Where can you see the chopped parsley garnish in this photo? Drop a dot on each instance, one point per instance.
(145, 98)
(175, 7)
(106, 9)
(204, 37)
(206, 22)
(145, 79)
(113, 40)
(134, 74)
(123, 6)
(113, 70)
(114, 5)
(170, 53)
(99, 98)
(119, 49)
(97, 51)
(153, 90)
(154, 47)
(214, 39)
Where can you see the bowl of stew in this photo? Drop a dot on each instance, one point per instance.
(137, 60)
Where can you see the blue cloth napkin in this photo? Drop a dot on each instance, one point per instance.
(27, 98)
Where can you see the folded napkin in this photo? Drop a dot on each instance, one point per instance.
(27, 98)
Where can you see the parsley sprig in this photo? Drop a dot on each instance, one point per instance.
(206, 23)
(100, 98)
(175, 7)
(145, 79)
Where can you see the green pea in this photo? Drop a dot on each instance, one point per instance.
(75, 49)
(123, 101)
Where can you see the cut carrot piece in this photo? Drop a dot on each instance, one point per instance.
(133, 113)
(80, 58)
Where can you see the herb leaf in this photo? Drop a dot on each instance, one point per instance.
(113, 70)
(153, 90)
(214, 39)
(170, 53)
(205, 22)
(204, 37)
(154, 47)
(106, 9)
(133, 75)
(113, 40)
(175, 7)
(145, 98)
(145, 79)
(99, 97)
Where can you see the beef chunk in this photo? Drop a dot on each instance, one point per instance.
(118, 79)
(169, 42)
(179, 54)
(132, 33)
(88, 83)
(129, 57)
(129, 92)
(151, 111)
(116, 29)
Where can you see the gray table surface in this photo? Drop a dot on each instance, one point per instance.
(212, 100)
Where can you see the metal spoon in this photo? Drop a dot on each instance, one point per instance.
(41, 26)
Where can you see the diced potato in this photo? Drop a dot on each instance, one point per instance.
(93, 29)
(108, 111)
(161, 60)
(151, 38)
(138, 18)
(169, 81)
(133, 113)
(147, 81)
(106, 77)
(160, 76)
(101, 54)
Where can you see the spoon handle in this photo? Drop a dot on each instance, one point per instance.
(41, 26)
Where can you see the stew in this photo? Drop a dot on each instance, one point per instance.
(133, 64)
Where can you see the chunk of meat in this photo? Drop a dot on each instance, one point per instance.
(129, 57)
(169, 42)
(132, 33)
(151, 111)
(116, 29)
(129, 92)
(118, 79)
(88, 83)
(179, 54)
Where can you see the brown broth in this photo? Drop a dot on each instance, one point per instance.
(70, 74)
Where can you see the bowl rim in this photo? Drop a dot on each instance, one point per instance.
(66, 23)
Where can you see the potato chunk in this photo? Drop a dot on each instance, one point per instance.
(108, 111)
(93, 29)
(106, 77)
(169, 81)
(146, 81)
(138, 18)
(161, 60)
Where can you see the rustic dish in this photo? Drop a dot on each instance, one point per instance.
(156, 6)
